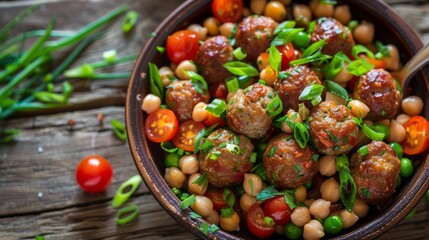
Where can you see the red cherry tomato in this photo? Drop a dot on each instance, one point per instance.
(256, 224)
(417, 135)
(216, 195)
(186, 134)
(161, 125)
(288, 54)
(278, 210)
(182, 45)
(94, 173)
(227, 10)
(212, 119)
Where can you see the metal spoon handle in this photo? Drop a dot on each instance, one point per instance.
(418, 61)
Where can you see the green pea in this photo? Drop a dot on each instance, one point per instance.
(381, 128)
(292, 231)
(172, 160)
(333, 225)
(397, 148)
(308, 185)
(407, 167)
(301, 40)
(427, 196)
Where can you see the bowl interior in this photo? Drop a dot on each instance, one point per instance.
(390, 28)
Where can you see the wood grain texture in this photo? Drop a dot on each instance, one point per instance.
(38, 194)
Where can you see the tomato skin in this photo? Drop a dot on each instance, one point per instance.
(417, 135)
(288, 54)
(255, 222)
(94, 174)
(161, 125)
(227, 10)
(278, 210)
(182, 45)
(186, 134)
(212, 119)
(216, 195)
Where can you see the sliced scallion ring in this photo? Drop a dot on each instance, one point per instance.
(127, 214)
(372, 134)
(121, 197)
(232, 84)
(188, 202)
(239, 53)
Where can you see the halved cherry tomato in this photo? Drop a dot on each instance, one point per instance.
(161, 125)
(227, 10)
(212, 119)
(288, 54)
(94, 173)
(182, 45)
(278, 210)
(417, 135)
(256, 224)
(216, 195)
(218, 90)
(186, 135)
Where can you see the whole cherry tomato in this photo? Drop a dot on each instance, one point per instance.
(216, 195)
(182, 45)
(94, 173)
(256, 224)
(278, 210)
(186, 135)
(417, 135)
(288, 54)
(161, 125)
(227, 10)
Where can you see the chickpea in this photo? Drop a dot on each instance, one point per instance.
(327, 165)
(199, 30)
(300, 193)
(174, 177)
(213, 218)
(300, 216)
(358, 108)
(313, 230)
(302, 14)
(323, 10)
(396, 132)
(392, 62)
(364, 33)
(194, 187)
(330, 190)
(269, 75)
(402, 118)
(343, 76)
(183, 67)
(342, 13)
(252, 184)
(412, 105)
(231, 223)
(199, 113)
(226, 29)
(349, 218)
(258, 6)
(276, 10)
(164, 72)
(320, 208)
(189, 164)
(212, 25)
(360, 208)
(246, 202)
(308, 202)
(262, 61)
(203, 206)
(151, 103)
(334, 98)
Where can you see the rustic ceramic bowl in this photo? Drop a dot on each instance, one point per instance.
(390, 28)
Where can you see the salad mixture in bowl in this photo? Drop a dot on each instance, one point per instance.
(282, 118)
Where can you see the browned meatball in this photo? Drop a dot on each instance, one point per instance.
(247, 110)
(338, 37)
(376, 173)
(287, 165)
(289, 88)
(254, 35)
(377, 89)
(211, 57)
(181, 97)
(228, 158)
(332, 128)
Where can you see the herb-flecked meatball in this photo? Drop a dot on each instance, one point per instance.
(227, 157)
(332, 128)
(377, 89)
(287, 165)
(254, 35)
(376, 173)
(182, 96)
(211, 57)
(247, 110)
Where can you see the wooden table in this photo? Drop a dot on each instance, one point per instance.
(38, 193)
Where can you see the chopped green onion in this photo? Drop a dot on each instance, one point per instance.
(337, 89)
(383, 50)
(358, 49)
(169, 147)
(16, 20)
(328, 2)
(301, 134)
(241, 69)
(312, 54)
(198, 81)
(363, 151)
(233, 148)
(127, 214)
(186, 203)
(359, 67)
(200, 136)
(83, 71)
(347, 183)
(202, 181)
(284, 25)
(353, 24)
(226, 212)
(110, 55)
(239, 54)
(9, 135)
(232, 84)
(40, 237)
(289, 196)
(316, 100)
(217, 107)
(131, 186)
(275, 106)
(371, 133)
(228, 197)
(253, 156)
(155, 84)
(274, 58)
(336, 65)
(160, 49)
(285, 36)
(311, 92)
(130, 21)
(119, 129)
(49, 97)
(269, 221)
